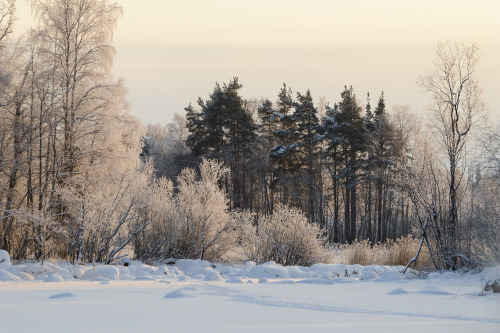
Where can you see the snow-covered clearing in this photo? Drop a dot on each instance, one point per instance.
(194, 296)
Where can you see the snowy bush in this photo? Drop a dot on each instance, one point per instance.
(287, 238)
(193, 223)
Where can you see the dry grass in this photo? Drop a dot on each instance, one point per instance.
(393, 253)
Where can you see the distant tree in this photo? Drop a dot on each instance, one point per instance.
(166, 148)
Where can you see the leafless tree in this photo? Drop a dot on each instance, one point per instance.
(7, 18)
(456, 106)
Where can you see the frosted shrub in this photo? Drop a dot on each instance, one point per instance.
(157, 240)
(194, 222)
(206, 227)
(287, 238)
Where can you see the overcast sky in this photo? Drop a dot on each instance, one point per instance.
(171, 52)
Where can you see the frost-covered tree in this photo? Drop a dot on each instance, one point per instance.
(456, 106)
(7, 18)
(165, 147)
(78, 35)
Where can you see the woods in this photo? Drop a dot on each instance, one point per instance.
(280, 178)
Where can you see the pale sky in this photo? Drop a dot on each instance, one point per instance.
(171, 52)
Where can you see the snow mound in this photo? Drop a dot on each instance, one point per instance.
(491, 281)
(62, 295)
(145, 278)
(235, 279)
(369, 275)
(53, 278)
(269, 270)
(211, 275)
(192, 267)
(297, 272)
(42, 271)
(5, 259)
(179, 293)
(99, 272)
(398, 291)
(6, 276)
(391, 276)
(286, 281)
(23, 276)
(162, 270)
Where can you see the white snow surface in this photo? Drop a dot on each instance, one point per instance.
(4, 259)
(199, 296)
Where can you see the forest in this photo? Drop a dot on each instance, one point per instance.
(233, 179)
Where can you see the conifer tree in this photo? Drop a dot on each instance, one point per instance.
(223, 130)
(269, 122)
(307, 142)
(333, 154)
(353, 133)
(283, 154)
(382, 143)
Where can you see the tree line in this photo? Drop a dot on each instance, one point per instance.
(361, 172)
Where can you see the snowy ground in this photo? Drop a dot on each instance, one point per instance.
(194, 296)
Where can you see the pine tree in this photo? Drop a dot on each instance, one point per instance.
(240, 133)
(370, 128)
(332, 152)
(225, 131)
(283, 154)
(307, 142)
(195, 127)
(269, 122)
(353, 133)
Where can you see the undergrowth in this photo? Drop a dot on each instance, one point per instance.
(391, 253)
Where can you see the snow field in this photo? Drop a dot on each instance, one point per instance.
(198, 296)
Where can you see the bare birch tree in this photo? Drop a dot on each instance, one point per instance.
(456, 107)
(79, 35)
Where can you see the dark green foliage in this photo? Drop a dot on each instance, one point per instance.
(224, 130)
